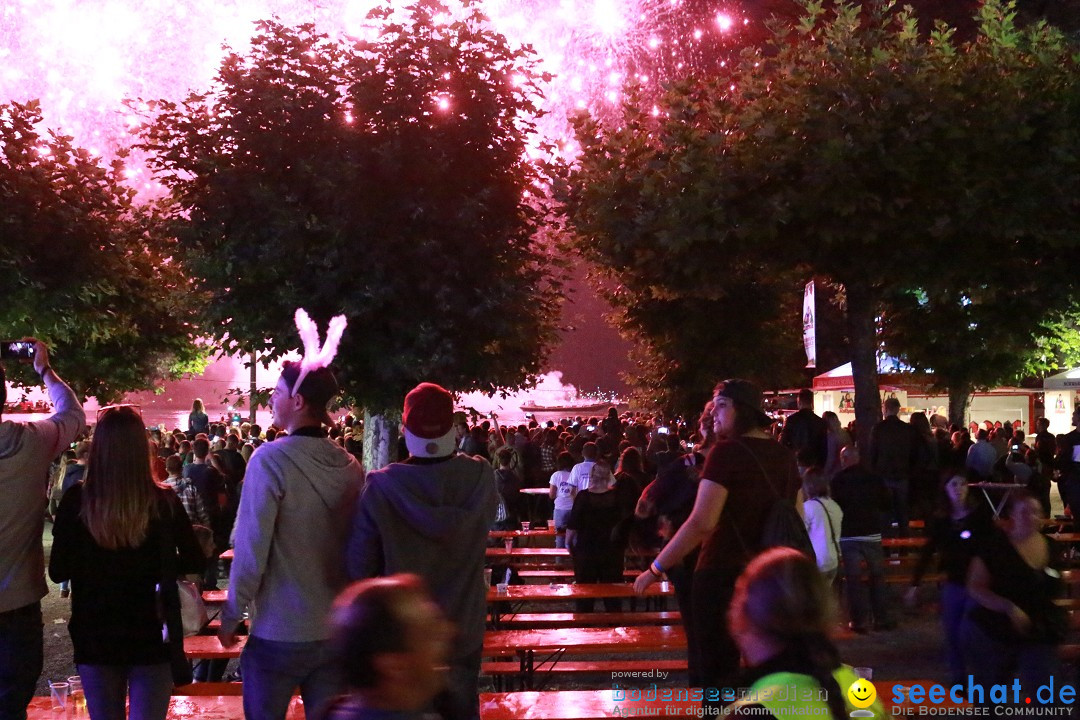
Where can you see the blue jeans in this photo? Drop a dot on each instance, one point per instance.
(954, 601)
(271, 669)
(107, 688)
(560, 517)
(21, 659)
(864, 599)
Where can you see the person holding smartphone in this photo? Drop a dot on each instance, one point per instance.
(26, 450)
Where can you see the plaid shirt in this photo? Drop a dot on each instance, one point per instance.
(190, 499)
(547, 459)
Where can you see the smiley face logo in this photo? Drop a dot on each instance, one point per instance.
(862, 693)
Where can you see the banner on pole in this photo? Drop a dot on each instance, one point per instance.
(808, 326)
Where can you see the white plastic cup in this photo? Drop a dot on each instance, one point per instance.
(525, 525)
(864, 672)
(551, 524)
(59, 693)
(665, 586)
(502, 588)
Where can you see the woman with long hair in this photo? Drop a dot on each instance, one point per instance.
(198, 420)
(746, 472)
(781, 614)
(118, 537)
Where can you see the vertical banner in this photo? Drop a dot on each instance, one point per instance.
(809, 330)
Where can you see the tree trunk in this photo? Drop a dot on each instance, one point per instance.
(381, 431)
(959, 397)
(862, 334)
(252, 390)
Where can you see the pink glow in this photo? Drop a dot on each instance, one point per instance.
(82, 58)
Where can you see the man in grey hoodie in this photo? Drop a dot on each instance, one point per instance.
(430, 516)
(289, 551)
(26, 449)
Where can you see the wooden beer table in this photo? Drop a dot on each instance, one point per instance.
(553, 644)
(516, 595)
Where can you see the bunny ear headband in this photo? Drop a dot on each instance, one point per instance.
(316, 357)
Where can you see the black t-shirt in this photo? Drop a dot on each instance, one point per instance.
(114, 616)
(957, 541)
(754, 471)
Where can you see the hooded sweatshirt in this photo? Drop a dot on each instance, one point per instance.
(26, 449)
(290, 537)
(431, 519)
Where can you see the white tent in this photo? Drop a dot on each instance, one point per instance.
(1060, 398)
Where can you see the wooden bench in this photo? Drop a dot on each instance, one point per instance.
(181, 707)
(208, 647)
(549, 575)
(210, 688)
(521, 621)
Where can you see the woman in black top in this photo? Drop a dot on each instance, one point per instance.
(596, 512)
(113, 537)
(954, 534)
(1013, 626)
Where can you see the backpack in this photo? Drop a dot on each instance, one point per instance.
(783, 525)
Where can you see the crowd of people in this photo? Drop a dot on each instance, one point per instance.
(357, 588)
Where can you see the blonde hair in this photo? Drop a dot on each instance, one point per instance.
(197, 406)
(119, 492)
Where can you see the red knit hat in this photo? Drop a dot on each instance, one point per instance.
(429, 421)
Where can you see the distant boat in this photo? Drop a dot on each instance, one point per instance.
(585, 407)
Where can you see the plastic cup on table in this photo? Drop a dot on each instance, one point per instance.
(59, 694)
(665, 586)
(525, 525)
(864, 672)
(551, 524)
(508, 543)
(502, 588)
(75, 693)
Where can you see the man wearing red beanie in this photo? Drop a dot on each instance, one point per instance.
(430, 516)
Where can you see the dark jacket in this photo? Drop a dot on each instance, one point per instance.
(894, 449)
(805, 430)
(863, 497)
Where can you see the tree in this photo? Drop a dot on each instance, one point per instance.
(386, 180)
(851, 148)
(85, 269)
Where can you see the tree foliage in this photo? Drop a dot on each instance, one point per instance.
(86, 270)
(852, 148)
(387, 180)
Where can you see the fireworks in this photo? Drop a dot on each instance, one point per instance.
(82, 58)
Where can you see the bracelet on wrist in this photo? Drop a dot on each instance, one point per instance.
(656, 569)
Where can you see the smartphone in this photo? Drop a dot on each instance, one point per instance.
(663, 430)
(16, 350)
(590, 428)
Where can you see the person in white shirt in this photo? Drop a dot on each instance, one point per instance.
(823, 518)
(562, 491)
(579, 474)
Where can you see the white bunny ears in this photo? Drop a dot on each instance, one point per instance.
(316, 357)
